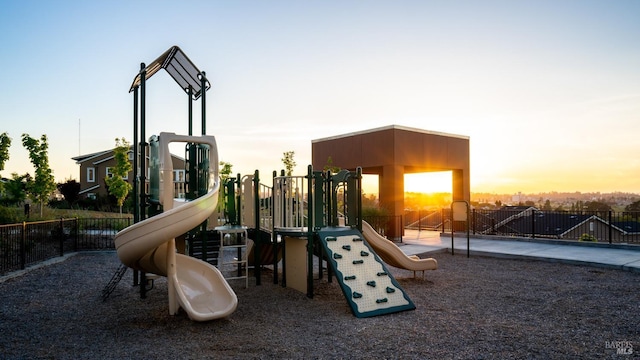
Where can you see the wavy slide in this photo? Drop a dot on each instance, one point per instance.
(392, 255)
(196, 286)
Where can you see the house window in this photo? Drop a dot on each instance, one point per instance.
(110, 174)
(178, 175)
(91, 174)
(91, 196)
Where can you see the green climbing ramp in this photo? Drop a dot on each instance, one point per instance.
(369, 287)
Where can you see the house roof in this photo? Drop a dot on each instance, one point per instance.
(555, 223)
(98, 157)
(88, 189)
(546, 223)
(632, 227)
(82, 158)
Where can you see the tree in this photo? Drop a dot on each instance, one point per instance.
(225, 171)
(632, 211)
(288, 162)
(634, 206)
(15, 190)
(329, 166)
(43, 183)
(116, 185)
(225, 174)
(597, 206)
(5, 142)
(70, 190)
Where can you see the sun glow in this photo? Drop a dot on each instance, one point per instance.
(426, 183)
(430, 182)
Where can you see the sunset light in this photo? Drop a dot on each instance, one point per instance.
(431, 182)
(547, 92)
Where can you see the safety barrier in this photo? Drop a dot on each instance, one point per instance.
(601, 226)
(29, 243)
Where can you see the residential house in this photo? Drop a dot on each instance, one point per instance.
(96, 167)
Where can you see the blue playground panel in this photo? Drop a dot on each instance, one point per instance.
(369, 287)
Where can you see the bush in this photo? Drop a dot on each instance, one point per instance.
(10, 215)
(59, 204)
(373, 211)
(587, 237)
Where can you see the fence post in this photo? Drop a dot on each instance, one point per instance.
(473, 219)
(61, 234)
(533, 224)
(610, 229)
(76, 226)
(23, 242)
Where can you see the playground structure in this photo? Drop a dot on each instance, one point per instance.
(286, 224)
(320, 214)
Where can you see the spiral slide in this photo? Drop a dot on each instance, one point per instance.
(196, 286)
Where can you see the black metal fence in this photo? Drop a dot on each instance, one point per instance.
(25, 244)
(383, 224)
(516, 221)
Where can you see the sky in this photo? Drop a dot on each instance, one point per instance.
(548, 92)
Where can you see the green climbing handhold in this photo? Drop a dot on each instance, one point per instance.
(364, 253)
(331, 238)
(337, 256)
(347, 247)
(381, 273)
(350, 277)
(357, 239)
(355, 262)
(371, 283)
(390, 290)
(384, 300)
(357, 295)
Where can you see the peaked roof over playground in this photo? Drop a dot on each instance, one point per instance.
(181, 69)
(394, 150)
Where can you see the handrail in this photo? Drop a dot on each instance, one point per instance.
(290, 202)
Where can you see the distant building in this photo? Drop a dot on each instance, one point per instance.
(96, 167)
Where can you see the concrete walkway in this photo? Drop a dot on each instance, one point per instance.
(623, 257)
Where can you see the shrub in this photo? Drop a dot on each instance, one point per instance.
(10, 215)
(587, 237)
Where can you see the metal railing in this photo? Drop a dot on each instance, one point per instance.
(597, 226)
(290, 202)
(29, 243)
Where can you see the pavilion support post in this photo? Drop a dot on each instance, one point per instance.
(392, 196)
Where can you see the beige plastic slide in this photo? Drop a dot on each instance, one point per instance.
(196, 286)
(392, 255)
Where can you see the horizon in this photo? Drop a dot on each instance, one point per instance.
(548, 93)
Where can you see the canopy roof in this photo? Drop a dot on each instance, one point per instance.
(181, 69)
